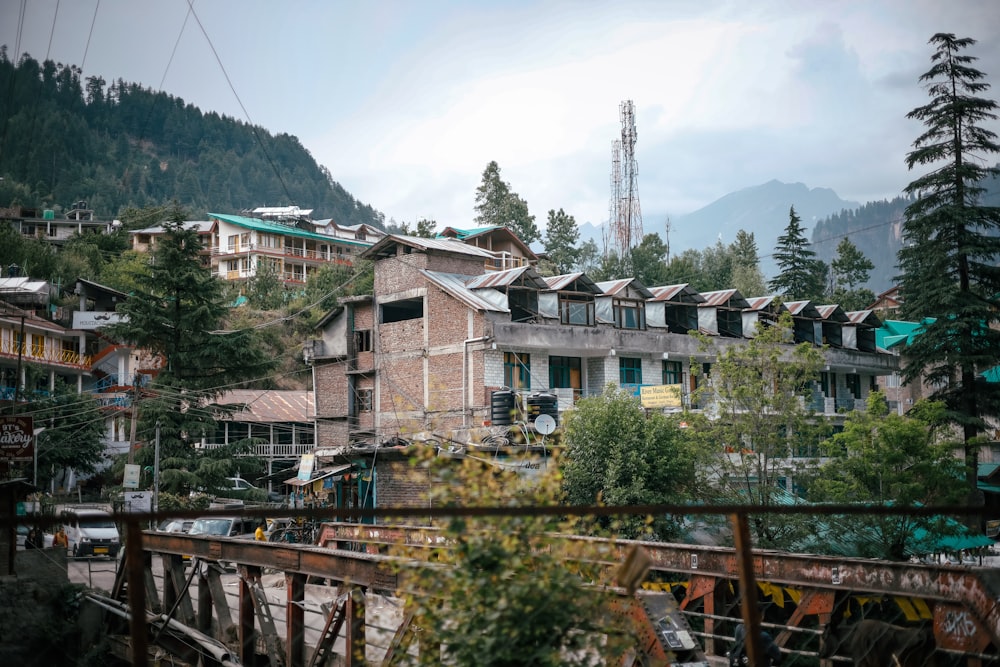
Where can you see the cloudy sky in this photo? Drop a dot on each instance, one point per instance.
(406, 102)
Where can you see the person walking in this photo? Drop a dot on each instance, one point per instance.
(60, 539)
(259, 533)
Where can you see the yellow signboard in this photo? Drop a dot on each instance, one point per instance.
(660, 396)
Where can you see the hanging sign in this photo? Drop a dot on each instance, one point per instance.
(17, 439)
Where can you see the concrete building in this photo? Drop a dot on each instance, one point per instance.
(441, 333)
(46, 225)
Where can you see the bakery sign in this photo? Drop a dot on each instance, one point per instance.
(17, 439)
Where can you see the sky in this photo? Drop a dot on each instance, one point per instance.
(406, 101)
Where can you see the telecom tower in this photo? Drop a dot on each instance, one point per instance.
(624, 230)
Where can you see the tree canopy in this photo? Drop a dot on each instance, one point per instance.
(177, 313)
(498, 205)
(950, 260)
(561, 238)
(882, 458)
(800, 275)
(755, 393)
(618, 455)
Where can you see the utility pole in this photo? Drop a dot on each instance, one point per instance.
(156, 469)
(135, 418)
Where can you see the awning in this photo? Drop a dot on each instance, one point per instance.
(322, 473)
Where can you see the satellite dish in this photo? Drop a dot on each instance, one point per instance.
(545, 424)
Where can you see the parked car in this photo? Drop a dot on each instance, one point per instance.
(242, 488)
(224, 526)
(175, 525)
(90, 532)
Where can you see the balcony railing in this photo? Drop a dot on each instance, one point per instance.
(39, 353)
(269, 450)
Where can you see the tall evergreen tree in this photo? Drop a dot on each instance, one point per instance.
(747, 276)
(177, 312)
(849, 272)
(561, 237)
(497, 204)
(951, 250)
(800, 274)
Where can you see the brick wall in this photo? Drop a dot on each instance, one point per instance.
(397, 484)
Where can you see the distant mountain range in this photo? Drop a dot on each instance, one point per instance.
(761, 209)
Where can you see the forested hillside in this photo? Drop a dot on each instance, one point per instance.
(876, 229)
(116, 145)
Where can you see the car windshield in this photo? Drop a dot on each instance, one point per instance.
(211, 527)
(96, 522)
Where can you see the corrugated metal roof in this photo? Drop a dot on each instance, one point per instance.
(682, 293)
(618, 287)
(762, 302)
(421, 243)
(832, 312)
(269, 405)
(802, 309)
(865, 317)
(199, 226)
(557, 283)
(730, 298)
(507, 278)
(455, 285)
(465, 233)
(285, 230)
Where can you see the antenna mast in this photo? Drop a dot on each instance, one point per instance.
(624, 230)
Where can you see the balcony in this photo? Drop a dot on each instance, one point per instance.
(269, 450)
(45, 354)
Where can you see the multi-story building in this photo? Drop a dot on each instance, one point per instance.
(283, 238)
(294, 250)
(43, 224)
(440, 335)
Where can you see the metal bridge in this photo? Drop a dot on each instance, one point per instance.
(799, 595)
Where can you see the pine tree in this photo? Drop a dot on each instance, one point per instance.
(951, 250)
(746, 276)
(850, 269)
(800, 275)
(497, 204)
(177, 312)
(561, 237)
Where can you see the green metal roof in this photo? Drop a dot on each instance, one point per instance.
(277, 228)
(462, 234)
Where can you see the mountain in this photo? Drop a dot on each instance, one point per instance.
(761, 209)
(120, 145)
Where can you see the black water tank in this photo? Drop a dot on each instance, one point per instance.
(543, 403)
(503, 404)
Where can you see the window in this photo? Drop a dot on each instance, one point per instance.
(363, 340)
(672, 372)
(37, 345)
(854, 384)
(828, 384)
(576, 309)
(233, 243)
(517, 370)
(404, 309)
(363, 400)
(564, 373)
(269, 240)
(629, 314)
(630, 370)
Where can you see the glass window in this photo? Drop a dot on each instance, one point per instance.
(672, 372)
(363, 340)
(363, 400)
(629, 314)
(630, 370)
(517, 370)
(576, 309)
(564, 373)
